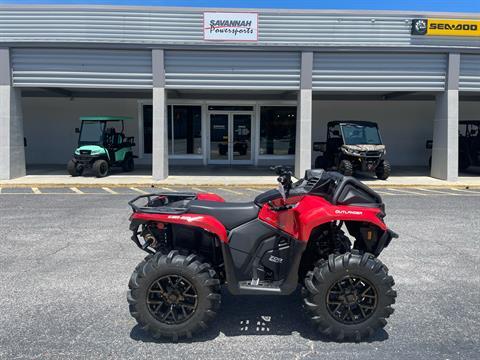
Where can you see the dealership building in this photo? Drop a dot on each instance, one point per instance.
(234, 86)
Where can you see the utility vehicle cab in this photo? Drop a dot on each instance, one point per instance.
(102, 144)
(353, 146)
(468, 144)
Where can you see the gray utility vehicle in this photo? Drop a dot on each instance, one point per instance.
(468, 144)
(353, 146)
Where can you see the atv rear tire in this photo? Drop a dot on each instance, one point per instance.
(128, 165)
(349, 296)
(100, 168)
(173, 296)
(346, 168)
(383, 170)
(321, 163)
(73, 169)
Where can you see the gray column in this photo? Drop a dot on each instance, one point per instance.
(445, 126)
(12, 151)
(303, 145)
(159, 121)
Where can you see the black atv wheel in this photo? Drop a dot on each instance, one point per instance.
(349, 296)
(173, 295)
(128, 165)
(320, 162)
(73, 169)
(100, 168)
(383, 170)
(346, 168)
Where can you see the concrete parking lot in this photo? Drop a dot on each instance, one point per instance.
(66, 258)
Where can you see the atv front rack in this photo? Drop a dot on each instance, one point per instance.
(163, 203)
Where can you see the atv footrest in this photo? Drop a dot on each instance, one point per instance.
(263, 286)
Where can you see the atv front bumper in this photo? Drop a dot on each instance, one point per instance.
(384, 241)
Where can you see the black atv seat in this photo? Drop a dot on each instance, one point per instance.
(230, 214)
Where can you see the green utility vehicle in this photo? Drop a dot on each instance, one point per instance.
(101, 145)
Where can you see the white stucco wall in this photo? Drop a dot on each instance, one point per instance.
(404, 125)
(49, 124)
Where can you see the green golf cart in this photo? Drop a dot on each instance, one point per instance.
(102, 144)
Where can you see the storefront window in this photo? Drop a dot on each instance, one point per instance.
(277, 130)
(184, 129)
(187, 130)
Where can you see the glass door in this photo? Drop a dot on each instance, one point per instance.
(230, 138)
(219, 139)
(241, 125)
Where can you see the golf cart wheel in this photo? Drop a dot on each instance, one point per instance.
(320, 162)
(346, 168)
(73, 169)
(100, 168)
(383, 170)
(128, 164)
(349, 296)
(173, 296)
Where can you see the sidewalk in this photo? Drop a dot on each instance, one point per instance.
(54, 176)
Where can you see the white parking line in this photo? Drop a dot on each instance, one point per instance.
(138, 190)
(110, 190)
(231, 191)
(437, 191)
(0, 190)
(407, 192)
(36, 190)
(468, 191)
(197, 189)
(384, 193)
(76, 190)
(168, 189)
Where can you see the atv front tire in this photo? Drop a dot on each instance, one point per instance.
(346, 168)
(173, 296)
(73, 169)
(100, 168)
(383, 170)
(349, 296)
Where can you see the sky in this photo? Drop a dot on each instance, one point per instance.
(413, 5)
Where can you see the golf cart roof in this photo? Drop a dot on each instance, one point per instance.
(352, 122)
(104, 118)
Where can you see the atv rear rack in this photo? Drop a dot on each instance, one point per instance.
(163, 203)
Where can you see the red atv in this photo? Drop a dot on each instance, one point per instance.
(286, 237)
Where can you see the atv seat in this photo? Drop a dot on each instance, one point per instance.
(230, 215)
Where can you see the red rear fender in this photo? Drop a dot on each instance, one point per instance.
(205, 222)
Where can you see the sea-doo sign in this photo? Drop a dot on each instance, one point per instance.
(446, 27)
(230, 26)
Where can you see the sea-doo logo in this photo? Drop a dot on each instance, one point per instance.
(445, 27)
(348, 212)
(230, 26)
(419, 27)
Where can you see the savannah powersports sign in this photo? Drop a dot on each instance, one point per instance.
(446, 27)
(230, 26)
